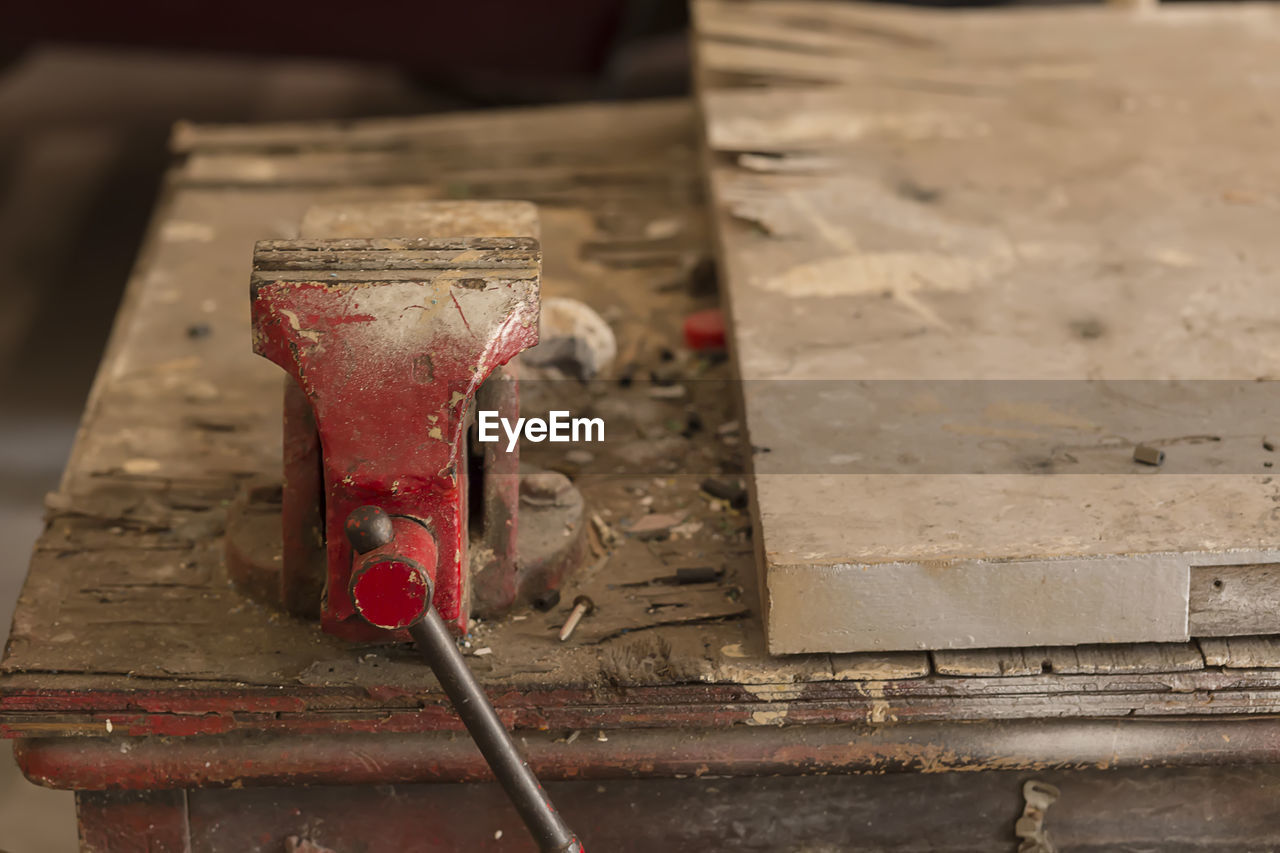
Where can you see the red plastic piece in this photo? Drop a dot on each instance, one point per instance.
(704, 330)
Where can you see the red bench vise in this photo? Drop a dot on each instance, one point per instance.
(391, 344)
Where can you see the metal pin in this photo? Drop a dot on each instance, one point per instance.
(581, 607)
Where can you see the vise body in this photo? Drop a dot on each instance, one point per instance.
(391, 343)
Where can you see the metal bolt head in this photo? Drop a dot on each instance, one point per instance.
(369, 527)
(544, 487)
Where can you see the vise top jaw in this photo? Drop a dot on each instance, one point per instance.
(389, 340)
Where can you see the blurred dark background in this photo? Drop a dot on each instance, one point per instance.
(88, 92)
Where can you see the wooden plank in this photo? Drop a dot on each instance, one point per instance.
(1242, 652)
(358, 697)
(957, 200)
(1070, 660)
(1235, 599)
(879, 667)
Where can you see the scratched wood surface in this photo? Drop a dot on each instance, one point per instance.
(128, 625)
(908, 201)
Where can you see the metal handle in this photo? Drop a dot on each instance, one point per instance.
(370, 529)
(530, 799)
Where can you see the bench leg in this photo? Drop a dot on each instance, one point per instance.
(133, 821)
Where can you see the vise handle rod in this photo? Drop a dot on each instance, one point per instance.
(369, 529)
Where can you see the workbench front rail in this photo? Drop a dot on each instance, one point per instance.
(247, 759)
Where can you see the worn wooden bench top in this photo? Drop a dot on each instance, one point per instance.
(128, 625)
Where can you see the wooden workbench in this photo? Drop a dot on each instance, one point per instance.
(188, 716)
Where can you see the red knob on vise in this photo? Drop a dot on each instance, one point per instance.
(392, 578)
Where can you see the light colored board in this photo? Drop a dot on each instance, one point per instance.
(1071, 660)
(1242, 652)
(998, 195)
(972, 603)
